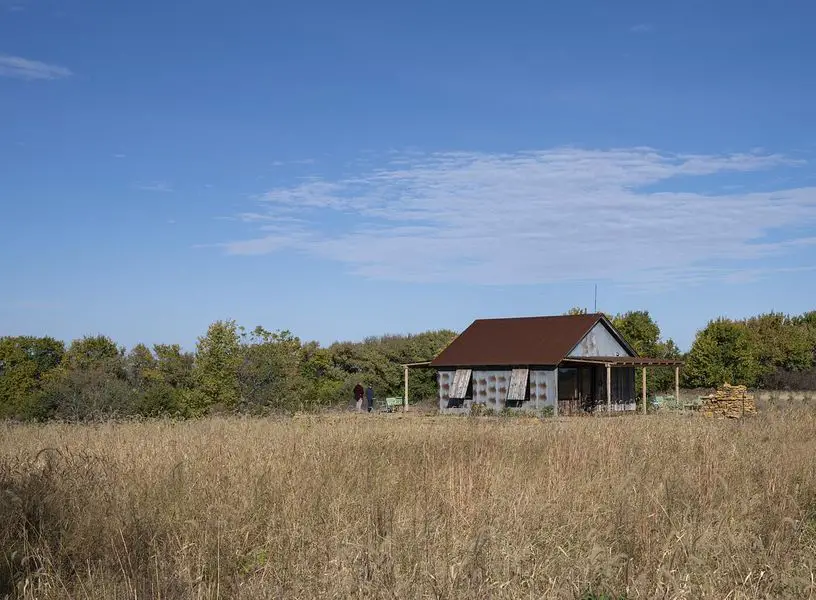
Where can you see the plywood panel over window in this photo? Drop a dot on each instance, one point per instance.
(461, 379)
(518, 384)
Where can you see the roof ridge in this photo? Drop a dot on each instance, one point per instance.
(539, 317)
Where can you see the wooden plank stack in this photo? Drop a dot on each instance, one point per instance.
(732, 401)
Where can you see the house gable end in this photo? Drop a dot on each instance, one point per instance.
(602, 340)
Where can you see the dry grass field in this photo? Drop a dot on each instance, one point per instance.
(393, 506)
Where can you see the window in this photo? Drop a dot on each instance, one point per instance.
(567, 383)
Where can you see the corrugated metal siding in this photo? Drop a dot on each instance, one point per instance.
(598, 342)
(490, 387)
(445, 381)
(543, 387)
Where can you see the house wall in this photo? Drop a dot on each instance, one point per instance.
(490, 388)
(543, 387)
(598, 342)
(444, 381)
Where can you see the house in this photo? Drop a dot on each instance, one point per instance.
(571, 363)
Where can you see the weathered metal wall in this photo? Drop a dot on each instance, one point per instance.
(490, 388)
(543, 388)
(599, 342)
(444, 383)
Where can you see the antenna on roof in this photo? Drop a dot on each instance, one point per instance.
(595, 310)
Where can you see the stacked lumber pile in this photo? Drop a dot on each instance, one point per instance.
(729, 401)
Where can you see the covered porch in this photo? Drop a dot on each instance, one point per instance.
(606, 383)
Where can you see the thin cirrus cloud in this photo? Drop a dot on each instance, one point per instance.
(157, 186)
(17, 67)
(642, 28)
(13, 5)
(537, 217)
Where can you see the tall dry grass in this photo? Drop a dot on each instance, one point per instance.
(409, 507)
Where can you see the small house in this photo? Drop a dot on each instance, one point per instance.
(571, 363)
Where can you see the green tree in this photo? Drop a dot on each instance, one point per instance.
(140, 365)
(722, 353)
(269, 375)
(377, 361)
(174, 367)
(639, 330)
(94, 352)
(90, 383)
(642, 332)
(323, 380)
(87, 394)
(24, 362)
(167, 382)
(779, 343)
(218, 358)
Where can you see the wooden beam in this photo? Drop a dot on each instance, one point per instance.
(608, 389)
(644, 389)
(623, 362)
(406, 388)
(677, 383)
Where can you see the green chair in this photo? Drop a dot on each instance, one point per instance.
(393, 402)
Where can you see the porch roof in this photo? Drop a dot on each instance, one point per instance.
(625, 361)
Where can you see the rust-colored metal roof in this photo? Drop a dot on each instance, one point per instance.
(517, 341)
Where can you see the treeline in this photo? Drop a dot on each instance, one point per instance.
(260, 371)
(774, 351)
(231, 370)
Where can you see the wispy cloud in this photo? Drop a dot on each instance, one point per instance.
(119, 155)
(157, 186)
(13, 5)
(532, 217)
(642, 28)
(24, 68)
(302, 161)
(33, 305)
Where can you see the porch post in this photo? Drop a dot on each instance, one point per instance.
(644, 390)
(608, 389)
(406, 388)
(677, 383)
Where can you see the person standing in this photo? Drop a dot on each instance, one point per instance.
(370, 398)
(358, 396)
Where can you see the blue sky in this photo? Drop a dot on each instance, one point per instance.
(357, 168)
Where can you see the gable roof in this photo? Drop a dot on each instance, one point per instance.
(520, 341)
